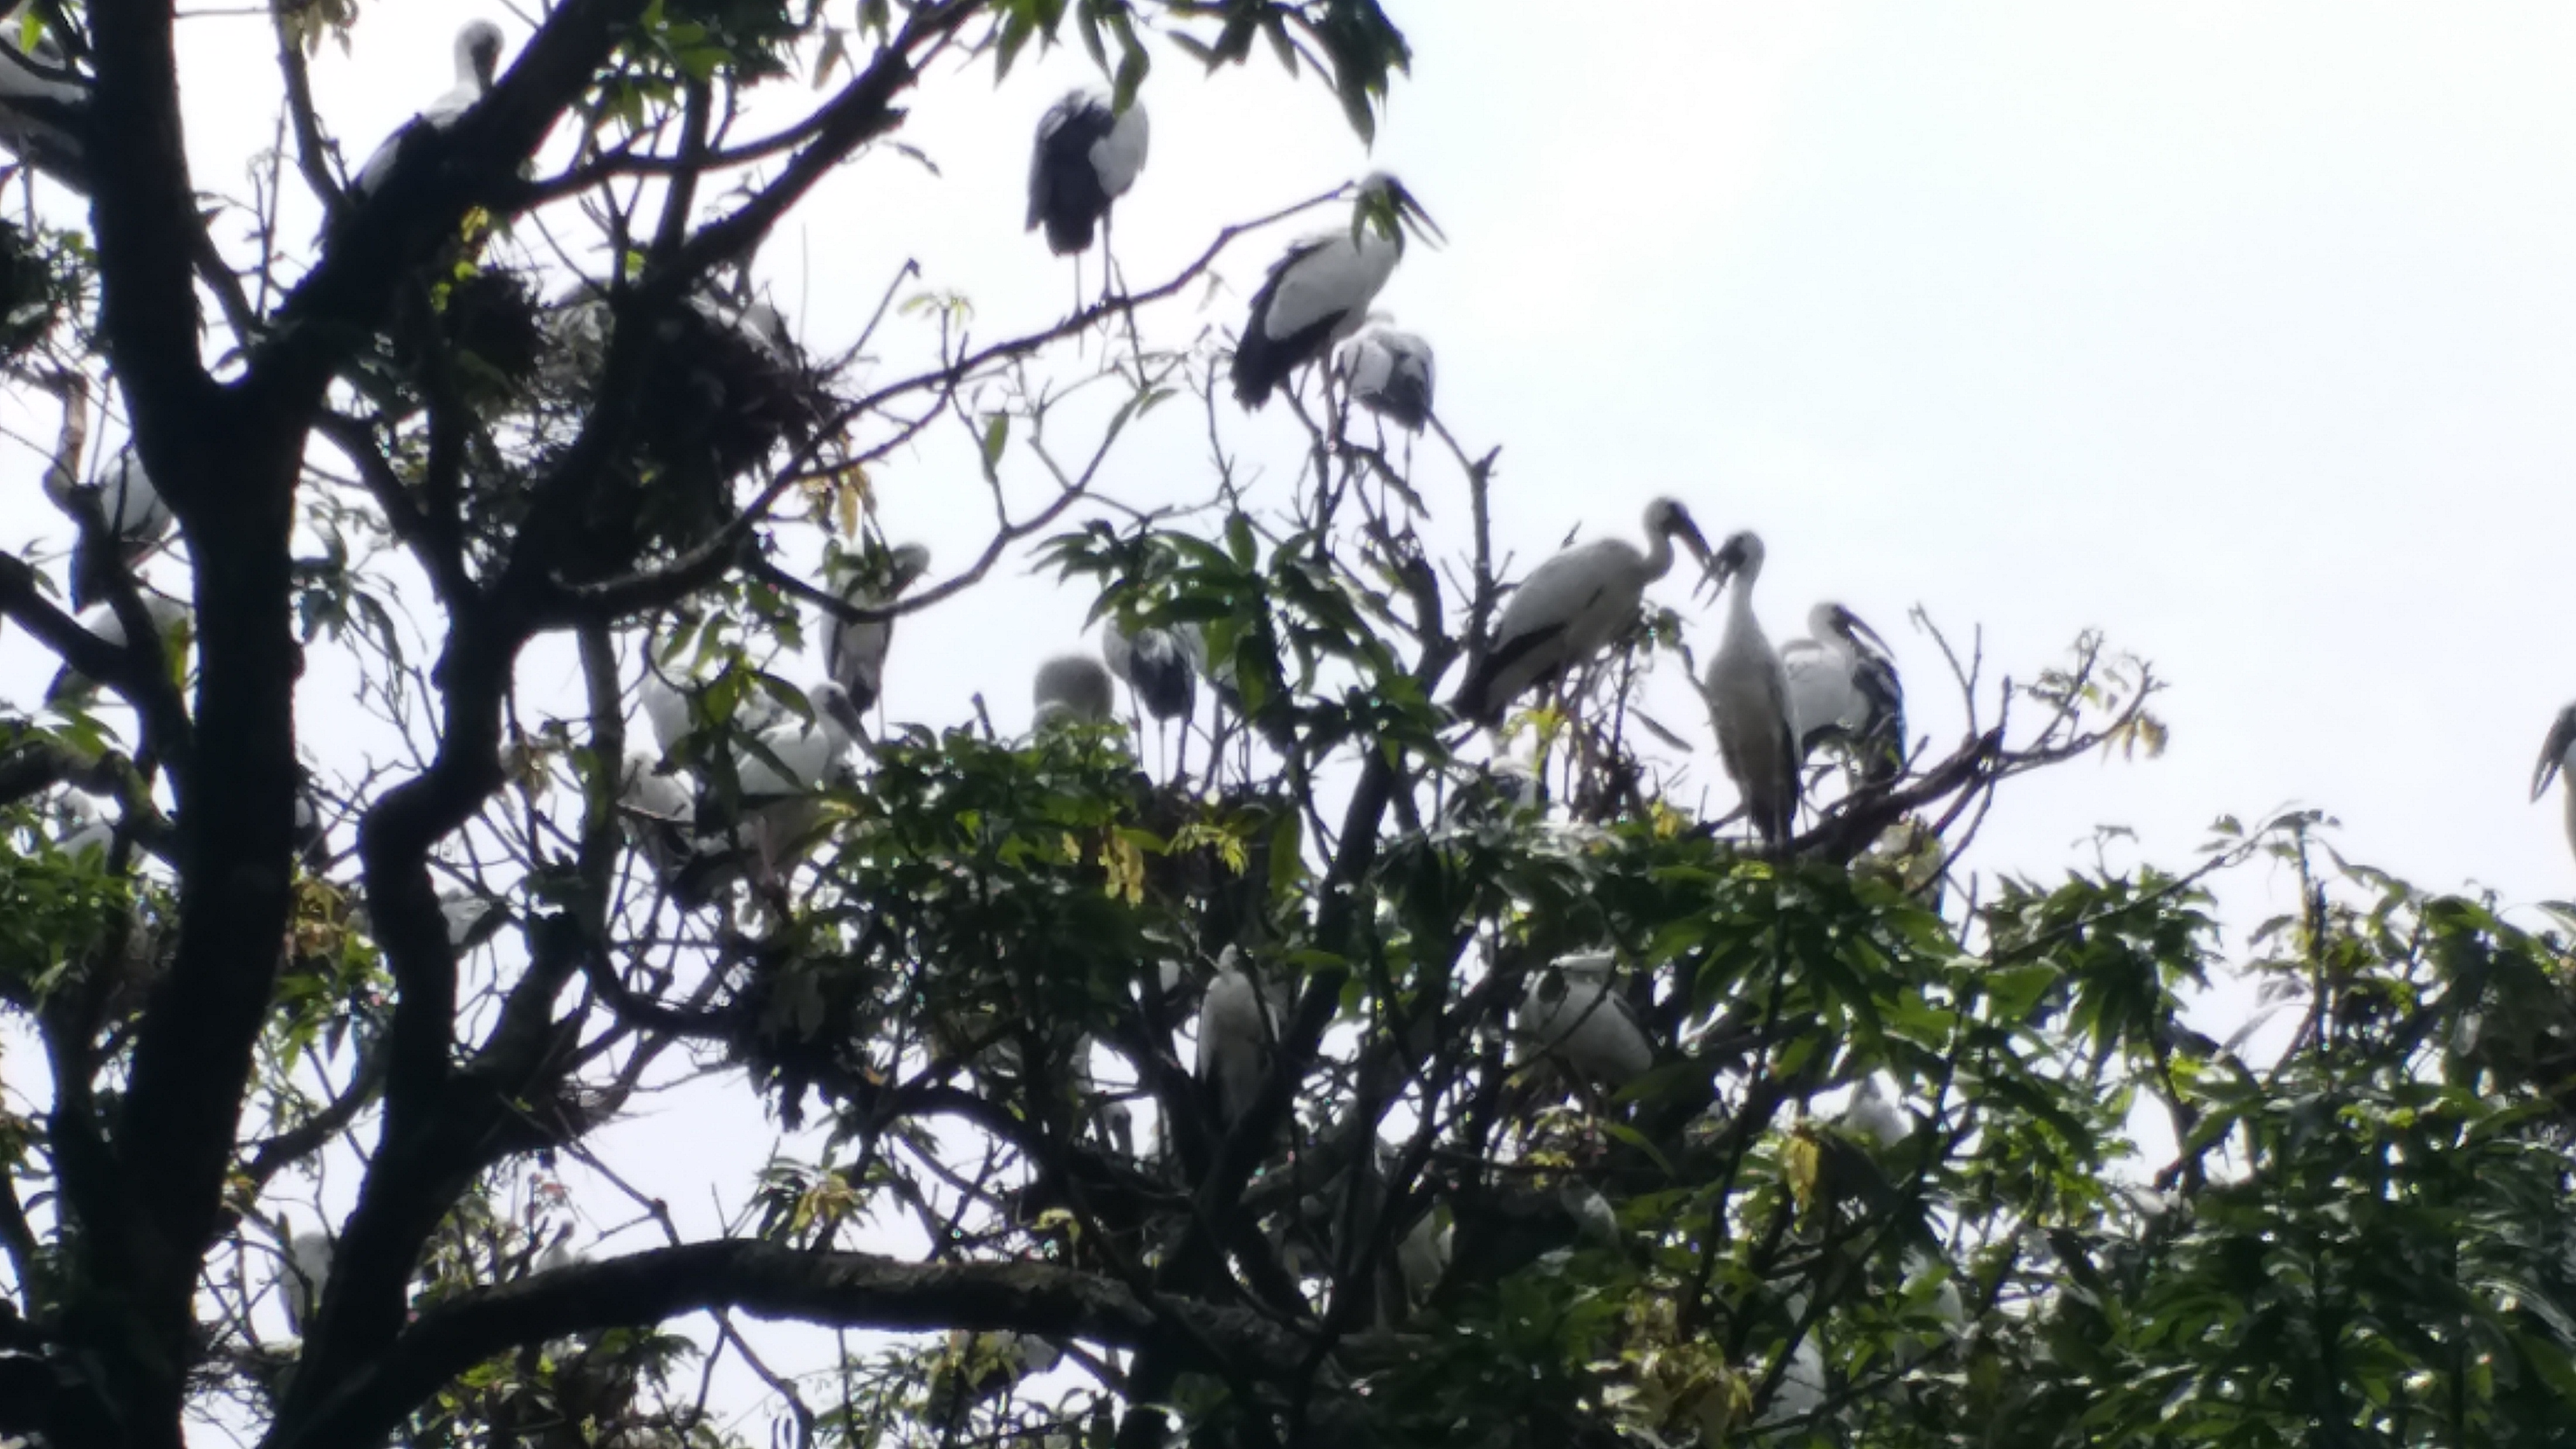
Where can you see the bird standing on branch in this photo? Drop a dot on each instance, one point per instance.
(1318, 292)
(1572, 607)
(1748, 700)
(478, 59)
(1843, 691)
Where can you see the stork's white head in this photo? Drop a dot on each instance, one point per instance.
(1739, 557)
(478, 54)
(1384, 206)
(1830, 620)
(835, 713)
(2557, 752)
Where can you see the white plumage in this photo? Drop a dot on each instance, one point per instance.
(1086, 157)
(1072, 689)
(2557, 753)
(1570, 608)
(658, 813)
(301, 1277)
(1238, 1029)
(1843, 690)
(854, 654)
(1390, 375)
(171, 619)
(1748, 701)
(1319, 291)
(478, 59)
(807, 756)
(471, 918)
(1570, 1014)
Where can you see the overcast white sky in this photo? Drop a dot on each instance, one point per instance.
(2242, 331)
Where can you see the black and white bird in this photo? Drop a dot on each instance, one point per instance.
(1570, 1015)
(1319, 292)
(126, 505)
(1087, 154)
(1748, 700)
(1843, 691)
(41, 101)
(1072, 689)
(1572, 607)
(1155, 666)
(1389, 373)
(478, 60)
(658, 813)
(1239, 1025)
(2557, 753)
(855, 653)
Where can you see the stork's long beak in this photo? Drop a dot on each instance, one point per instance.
(1408, 209)
(1853, 622)
(2553, 751)
(1719, 571)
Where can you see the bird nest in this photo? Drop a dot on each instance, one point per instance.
(716, 389)
(475, 336)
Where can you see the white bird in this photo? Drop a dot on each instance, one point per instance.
(128, 507)
(666, 709)
(1239, 1027)
(41, 100)
(85, 829)
(1087, 155)
(478, 59)
(1422, 1256)
(1156, 668)
(1072, 689)
(1843, 690)
(1572, 607)
(808, 756)
(301, 1277)
(1748, 700)
(854, 654)
(1390, 375)
(2556, 753)
(1570, 1014)
(170, 618)
(1319, 291)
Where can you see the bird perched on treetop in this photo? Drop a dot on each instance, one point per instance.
(1088, 153)
(1748, 700)
(1571, 608)
(1843, 690)
(478, 59)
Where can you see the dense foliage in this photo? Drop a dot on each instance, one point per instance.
(308, 1042)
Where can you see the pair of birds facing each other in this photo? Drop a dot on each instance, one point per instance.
(1769, 706)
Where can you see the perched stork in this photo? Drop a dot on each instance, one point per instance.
(472, 918)
(1155, 665)
(128, 507)
(781, 769)
(1073, 689)
(1087, 154)
(855, 653)
(301, 1277)
(2556, 753)
(1571, 1015)
(1319, 292)
(1843, 690)
(659, 815)
(1239, 1025)
(171, 619)
(1571, 608)
(478, 59)
(1748, 700)
(1390, 375)
(42, 100)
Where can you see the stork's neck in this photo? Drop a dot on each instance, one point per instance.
(2567, 792)
(1739, 605)
(1659, 555)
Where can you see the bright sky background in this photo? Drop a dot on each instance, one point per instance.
(2241, 331)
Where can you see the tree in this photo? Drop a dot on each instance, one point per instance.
(1875, 1185)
